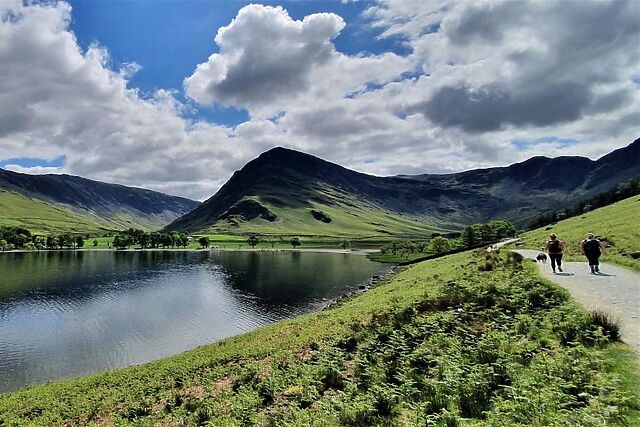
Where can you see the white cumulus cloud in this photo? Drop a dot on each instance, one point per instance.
(478, 76)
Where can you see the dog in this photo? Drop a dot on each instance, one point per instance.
(542, 257)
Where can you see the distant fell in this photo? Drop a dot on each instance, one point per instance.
(71, 203)
(284, 191)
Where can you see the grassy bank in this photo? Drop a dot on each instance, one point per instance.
(463, 339)
(616, 224)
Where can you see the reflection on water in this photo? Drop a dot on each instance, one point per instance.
(64, 314)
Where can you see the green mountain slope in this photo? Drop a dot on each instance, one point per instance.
(288, 192)
(70, 203)
(42, 217)
(616, 225)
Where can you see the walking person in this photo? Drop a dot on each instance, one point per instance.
(555, 248)
(592, 248)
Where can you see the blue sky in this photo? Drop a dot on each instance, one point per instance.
(384, 87)
(168, 40)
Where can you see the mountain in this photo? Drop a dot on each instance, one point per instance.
(288, 192)
(71, 203)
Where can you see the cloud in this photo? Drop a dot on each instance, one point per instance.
(59, 100)
(34, 170)
(495, 65)
(479, 77)
(269, 63)
(264, 55)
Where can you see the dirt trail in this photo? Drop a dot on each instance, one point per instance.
(616, 290)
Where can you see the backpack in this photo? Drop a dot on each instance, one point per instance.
(591, 247)
(554, 247)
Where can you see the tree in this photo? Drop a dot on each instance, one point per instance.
(439, 245)
(503, 229)
(17, 237)
(175, 239)
(155, 239)
(346, 245)
(51, 242)
(486, 233)
(204, 242)
(183, 240)
(39, 242)
(95, 243)
(122, 241)
(144, 240)
(79, 241)
(166, 240)
(295, 242)
(4, 245)
(469, 236)
(253, 240)
(135, 234)
(64, 241)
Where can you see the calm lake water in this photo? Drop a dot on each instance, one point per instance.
(64, 314)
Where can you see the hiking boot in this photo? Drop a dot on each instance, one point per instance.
(560, 269)
(597, 269)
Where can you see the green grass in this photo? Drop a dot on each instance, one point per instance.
(43, 218)
(468, 339)
(350, 218)
(399, 257)
(616, 223)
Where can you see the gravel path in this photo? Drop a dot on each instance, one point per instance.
(616, 290)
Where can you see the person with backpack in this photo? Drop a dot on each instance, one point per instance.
(555, 248)
(592, 249)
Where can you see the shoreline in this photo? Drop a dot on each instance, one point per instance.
(199, 250)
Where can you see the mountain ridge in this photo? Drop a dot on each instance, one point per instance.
(107, 206)
(282, 180)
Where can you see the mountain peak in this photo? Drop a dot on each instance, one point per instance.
(282, 155)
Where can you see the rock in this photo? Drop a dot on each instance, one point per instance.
(635, 255)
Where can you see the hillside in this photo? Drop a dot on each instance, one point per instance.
(70, 203)
(441, 343)
(42, 217)
(287, 192)
(616, 225)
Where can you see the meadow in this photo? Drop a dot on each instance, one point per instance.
(467, 339)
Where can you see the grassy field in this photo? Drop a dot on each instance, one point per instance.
(469, 339)
(616, 225)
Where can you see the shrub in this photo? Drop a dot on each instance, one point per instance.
(610, 327)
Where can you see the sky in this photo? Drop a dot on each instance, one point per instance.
(176, 95)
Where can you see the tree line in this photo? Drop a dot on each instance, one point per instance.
(134, 236)
(21, 238)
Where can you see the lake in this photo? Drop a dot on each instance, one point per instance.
(64, 314)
